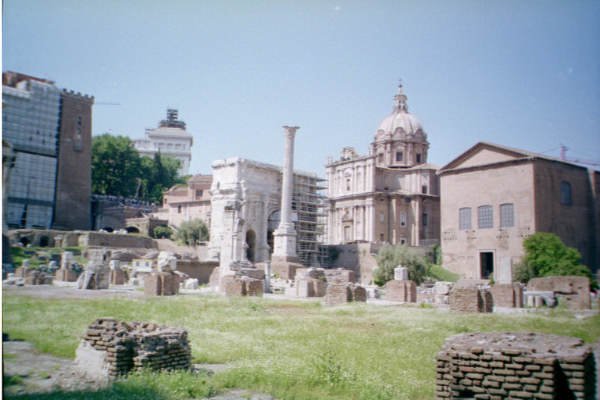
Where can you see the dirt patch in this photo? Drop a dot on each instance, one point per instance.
(29, 371)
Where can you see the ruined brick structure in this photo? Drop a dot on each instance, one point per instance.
(497, 366)
(574, 291)
(470, 299)
(114, 348)
(310, 282)
(161, 284)
(241, 286)
(405, 291)
(341, 293)
(507, 295)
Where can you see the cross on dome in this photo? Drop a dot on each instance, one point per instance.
(400, 104)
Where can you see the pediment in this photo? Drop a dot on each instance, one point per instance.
(484, 154)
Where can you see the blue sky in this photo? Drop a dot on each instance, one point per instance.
(524, 74)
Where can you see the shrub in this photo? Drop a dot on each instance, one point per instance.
(547, 255)
(192, 232)
(389, 257)
(162, 232)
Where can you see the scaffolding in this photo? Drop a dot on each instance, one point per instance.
(308, 203)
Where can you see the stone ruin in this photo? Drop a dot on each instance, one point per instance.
(574, 291)
(164, 281)
(66, 272)
(30, 275)
(112, 348)
(341, 288)
(236, 285)
(497, 366)
(97, 273)
(118, 276)
(507, 295)
(470, 296)
(310, 282)
(401, 288)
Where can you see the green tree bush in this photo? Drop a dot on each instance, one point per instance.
(192, 232)
(162, 232)
(119, 170)
(389, 257)
(547, 255)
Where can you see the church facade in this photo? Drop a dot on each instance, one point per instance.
(390, 195)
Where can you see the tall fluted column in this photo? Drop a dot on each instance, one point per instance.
(285, 235)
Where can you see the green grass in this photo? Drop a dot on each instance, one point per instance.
(441, 274)
(291, 350)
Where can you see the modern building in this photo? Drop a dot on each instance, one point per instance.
(49, 130)
(246, 209)
(493, 197)
(169, 139)
(186, 202)
(392, 194)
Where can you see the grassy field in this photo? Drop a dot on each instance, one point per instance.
(291, 350)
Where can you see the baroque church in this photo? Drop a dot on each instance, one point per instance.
(390, 195)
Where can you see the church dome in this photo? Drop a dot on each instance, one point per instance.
(399, 118)
(408, 122)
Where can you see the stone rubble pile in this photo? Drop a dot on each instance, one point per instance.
(125, 347)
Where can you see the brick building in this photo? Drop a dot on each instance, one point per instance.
(493, 197)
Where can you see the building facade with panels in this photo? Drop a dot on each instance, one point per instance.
(34, 124)
(169, 139)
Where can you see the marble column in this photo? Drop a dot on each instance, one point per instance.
(285, 261)
(285, 234)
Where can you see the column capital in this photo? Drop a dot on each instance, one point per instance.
(290, 130)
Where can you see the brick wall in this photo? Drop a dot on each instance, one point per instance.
(128, 347)
(497, 366)
(574, 291)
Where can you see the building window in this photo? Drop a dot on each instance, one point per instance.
(348, 185)
(381, 217)
(418, 157)
(464, 218)
(485, 217)
(178, 209)
(565, 194)
(424, 189)
(402, 219)
(199, 193)
(399, 156)
(381, 237)
(507, 215)
(425, 219)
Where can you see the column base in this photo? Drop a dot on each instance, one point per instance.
(285, 267)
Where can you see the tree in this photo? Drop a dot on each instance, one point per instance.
(162, 232)
(159, 174)
(192, 232)
(119, 170)
(115, 166)
(389, 257)
(547, 255)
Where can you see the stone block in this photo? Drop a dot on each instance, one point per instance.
(470, 299)
(404, 291)
(400, 274)
(508, 295)
(574, 291)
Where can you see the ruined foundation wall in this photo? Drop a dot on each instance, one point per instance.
(497, 366)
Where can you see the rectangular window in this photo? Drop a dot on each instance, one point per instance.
(402, 219)
(399, 156)
(418, 157)
(199, 193)
(464, 218)
(424, 189)
(565, 194)
(507, 215)
(485, 217)
(425, 219)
